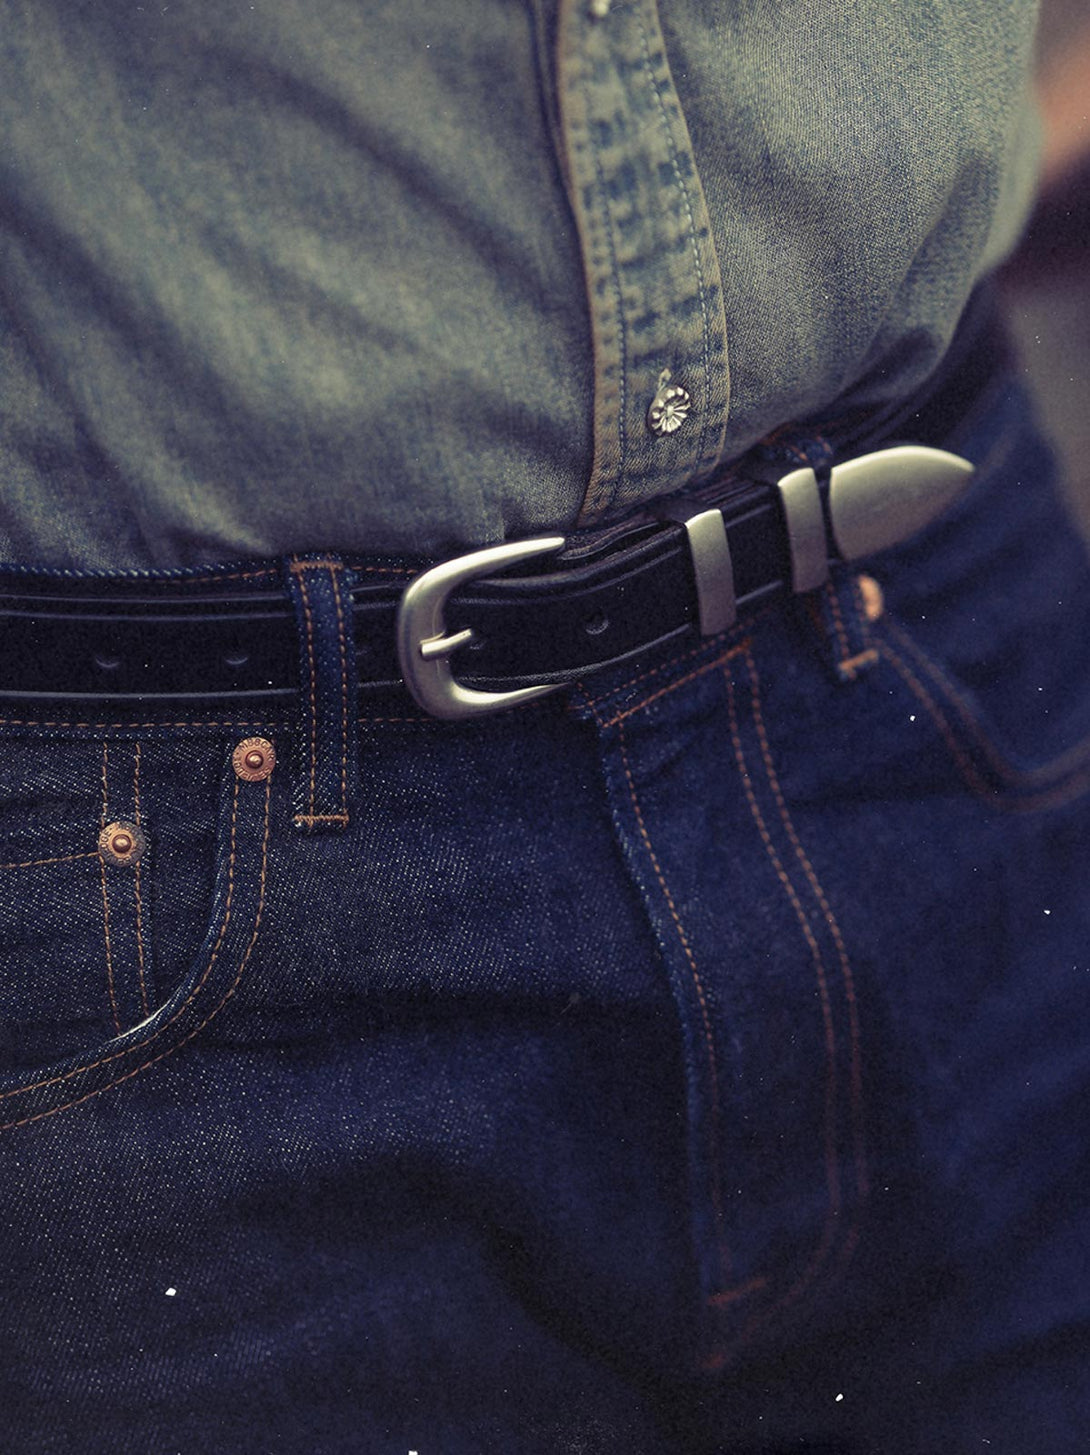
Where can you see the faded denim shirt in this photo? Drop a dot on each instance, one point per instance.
(405, 276)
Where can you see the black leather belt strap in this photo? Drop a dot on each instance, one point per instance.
(170, 640)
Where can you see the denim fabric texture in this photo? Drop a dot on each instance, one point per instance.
(302, 275)
(696, 1062)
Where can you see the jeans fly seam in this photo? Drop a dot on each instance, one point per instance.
(715, 1188)
(141, 968)
(833, 925)
(127, 1050)
(78, 1101)
(832, 1169)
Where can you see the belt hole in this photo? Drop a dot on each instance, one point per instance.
(236, 659)
(106, 663)
(595, 625)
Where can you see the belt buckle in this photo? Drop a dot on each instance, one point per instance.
(423, 646)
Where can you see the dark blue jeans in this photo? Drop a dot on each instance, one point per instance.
(697, 1063)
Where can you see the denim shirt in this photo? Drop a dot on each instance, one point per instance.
(387, 277)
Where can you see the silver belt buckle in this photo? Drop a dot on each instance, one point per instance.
(423, 646)
(874, 501)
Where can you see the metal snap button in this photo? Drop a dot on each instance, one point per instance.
(121, 843)
(670, 407)
(254, 759)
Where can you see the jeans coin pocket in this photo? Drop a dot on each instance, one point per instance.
(132, 886)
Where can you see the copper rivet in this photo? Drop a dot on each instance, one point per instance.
(121, 843)
(874, 603)
(254, 759)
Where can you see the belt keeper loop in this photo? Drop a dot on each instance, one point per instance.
(326, 771)
(800, 498)
(713, 569)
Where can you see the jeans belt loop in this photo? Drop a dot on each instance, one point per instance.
(326, 770)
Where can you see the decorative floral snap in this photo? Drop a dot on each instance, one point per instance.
(670, 407)
(122, 843)
(254, 759)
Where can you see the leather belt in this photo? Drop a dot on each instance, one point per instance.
(506, 623)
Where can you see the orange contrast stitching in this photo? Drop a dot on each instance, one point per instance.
(106, 726)
(847, 975)
(320, 818)
(733, 634)
(368, 720)
(211, 579)
(681, 682)
(115, 1055)
(709, 1041)
(972, 726)
(106, 901)
(1067, 762)
(732, 1295)
(78, 1101)
(851, 665)
(965, 765)
(838, 620)
(58, 859)
(344, 686)
(832, 1166)
(300, 570)
(144, 1005)
(1055, 797)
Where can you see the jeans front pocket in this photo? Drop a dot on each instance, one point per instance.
(88, 945)
(982, 626)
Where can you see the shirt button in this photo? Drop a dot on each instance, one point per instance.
(669, 408)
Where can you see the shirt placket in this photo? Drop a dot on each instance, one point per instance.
(662, 381)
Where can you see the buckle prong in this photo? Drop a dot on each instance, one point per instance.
(443, 646)
(423, 645)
